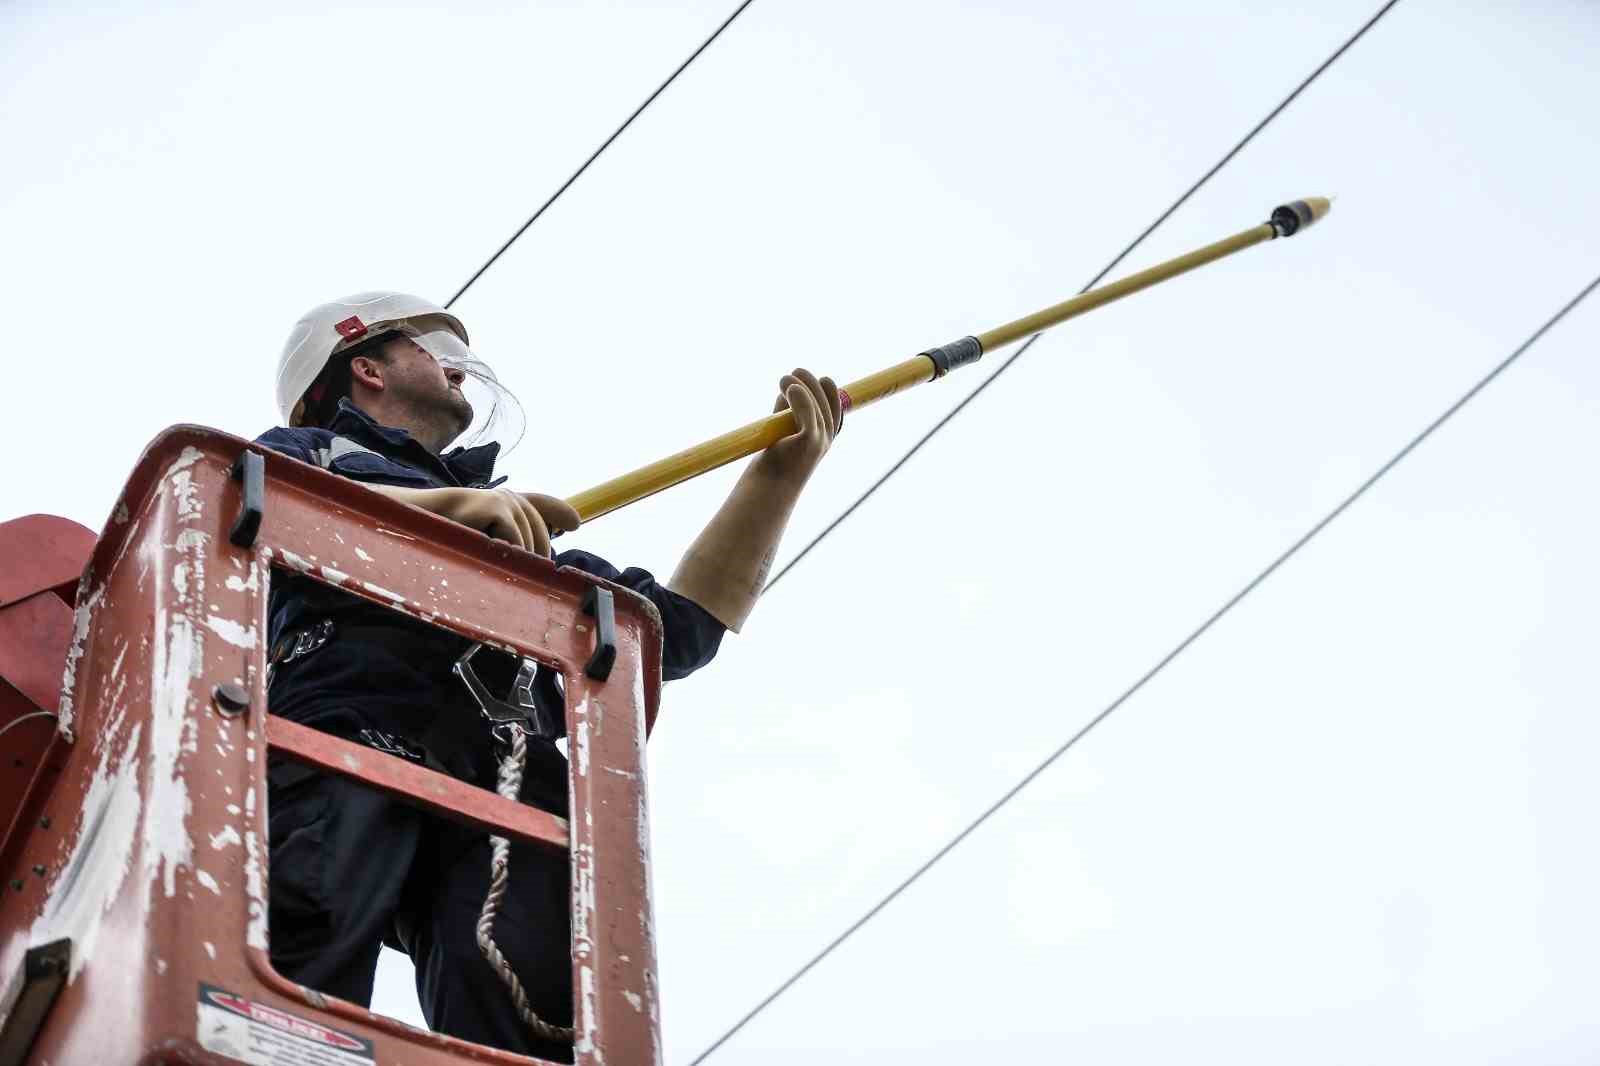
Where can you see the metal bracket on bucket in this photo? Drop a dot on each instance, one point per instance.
(250, 471)
(29, 999)
(602, 605)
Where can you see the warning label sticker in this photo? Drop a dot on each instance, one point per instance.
(266, 1036)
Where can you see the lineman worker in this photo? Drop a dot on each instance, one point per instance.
(375, 387)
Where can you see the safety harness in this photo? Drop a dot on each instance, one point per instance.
(511, 722)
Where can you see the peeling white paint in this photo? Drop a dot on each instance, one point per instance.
(228, 835)
(174, 664)
(337, 577)
(183, 487)
(186, 458)
(634, 1001)
(395, 533)
(586, 1033)
(255, 933)
(642, 827)
(638, 699)
(91, 881)
(233, 809)
(183, 491)
(296, 561)
(161, 967)
(583, 890)
(211, 950)
(81, 617)
(177, 659)
(120, 516)
(118, 690)
(385, 593)
(207, 880)
(363, 556)
(232, 632)
(581, 747)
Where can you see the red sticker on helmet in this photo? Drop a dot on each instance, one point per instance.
(350, 328)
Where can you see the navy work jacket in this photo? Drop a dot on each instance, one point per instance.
(382, 670)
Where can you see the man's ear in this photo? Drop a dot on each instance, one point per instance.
(366, 371)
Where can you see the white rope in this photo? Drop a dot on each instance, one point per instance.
(18, 721)
(510, 786)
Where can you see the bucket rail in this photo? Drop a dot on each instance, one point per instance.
(134, 924)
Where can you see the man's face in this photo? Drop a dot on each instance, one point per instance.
(412, 375)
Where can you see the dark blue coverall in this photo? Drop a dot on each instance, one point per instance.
(351, 868)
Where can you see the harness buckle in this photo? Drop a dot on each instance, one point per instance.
(520, 712)
(390, 744)
(301, 643)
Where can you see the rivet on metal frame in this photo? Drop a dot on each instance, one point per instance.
(231, 699)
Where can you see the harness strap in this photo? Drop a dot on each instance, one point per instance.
(337, 447)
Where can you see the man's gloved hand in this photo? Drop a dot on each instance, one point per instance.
(819, 414)
(526, 519)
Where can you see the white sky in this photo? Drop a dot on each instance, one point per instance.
(1354, 824)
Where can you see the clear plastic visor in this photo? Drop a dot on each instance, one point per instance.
(497, 415)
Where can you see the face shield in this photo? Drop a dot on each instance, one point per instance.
(496, 413)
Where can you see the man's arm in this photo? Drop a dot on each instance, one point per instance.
(726, 567)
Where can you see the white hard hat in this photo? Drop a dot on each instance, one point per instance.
(331, 328)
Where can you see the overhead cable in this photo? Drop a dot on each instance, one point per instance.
(929, 435)
(596, 153)
(1108, 268)
(1161, 664)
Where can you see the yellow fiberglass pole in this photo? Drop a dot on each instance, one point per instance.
(927, 366)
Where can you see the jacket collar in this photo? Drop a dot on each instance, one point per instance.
(467, 466)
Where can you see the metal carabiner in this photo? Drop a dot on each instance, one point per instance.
(521, 712)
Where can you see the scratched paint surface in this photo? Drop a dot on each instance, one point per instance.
(159, 874)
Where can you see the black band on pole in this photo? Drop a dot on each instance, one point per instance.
(948, 357)
(1288, 219)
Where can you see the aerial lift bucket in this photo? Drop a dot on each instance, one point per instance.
(134, 920)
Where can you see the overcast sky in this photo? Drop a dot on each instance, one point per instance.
(1354, 824)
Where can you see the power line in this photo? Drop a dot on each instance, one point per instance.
(596, 153)
(1108, 268)
(1160, 665)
